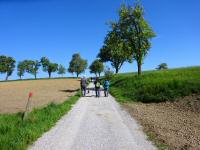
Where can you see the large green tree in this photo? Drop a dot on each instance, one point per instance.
(7, 65)
(135, 32)
(77, 65)
(48, 66)
(61, 70)
(115, 50)
(96, 67)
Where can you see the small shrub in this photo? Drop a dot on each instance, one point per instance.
(108, 73)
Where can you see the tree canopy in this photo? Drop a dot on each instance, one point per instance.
(135, 32)
(33, 67)
(48, 66)
(7, 65)
(21, 69)
(97, 67)
(77, 64)
(115, 50)
(29, 66)
(162, 66)
(61, 70)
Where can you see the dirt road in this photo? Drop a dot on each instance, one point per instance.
(94, 124)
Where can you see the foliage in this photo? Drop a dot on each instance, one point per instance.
(96, 67)
(16, 134)
(61, 70)
(32, 67)
(48, 66)
(7, 65)
(136, 32)
(162, 66)
(114, 49)
(77, 65)
(45, 63)
(21, 69)
(156, 86)
(28, 66)
(108, 73)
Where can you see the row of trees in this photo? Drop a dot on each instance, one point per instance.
(77, 66)
(129, 38)
(7, 66)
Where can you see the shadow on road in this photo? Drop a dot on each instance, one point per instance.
(69, 91)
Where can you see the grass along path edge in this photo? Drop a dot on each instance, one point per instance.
(16, 134)
(155, 87)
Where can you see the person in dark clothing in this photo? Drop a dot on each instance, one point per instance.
(97, 87)
(83, 85)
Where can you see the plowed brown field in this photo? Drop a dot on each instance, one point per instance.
(176, 124)
(14, 95)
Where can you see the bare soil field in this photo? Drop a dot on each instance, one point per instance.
(14, 95)
(176, 124)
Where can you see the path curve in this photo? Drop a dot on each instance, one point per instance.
(95, 124)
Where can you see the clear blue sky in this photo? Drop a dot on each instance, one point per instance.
(30, 29)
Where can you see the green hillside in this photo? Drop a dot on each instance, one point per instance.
(156, 86)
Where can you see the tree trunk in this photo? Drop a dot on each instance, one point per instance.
(116, 70)
(7, 77)
(49, 75)
(139, 68)
(77, 74)
(35, 76)
(99, 74)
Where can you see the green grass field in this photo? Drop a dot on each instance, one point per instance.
(16, 134)
(156, 86)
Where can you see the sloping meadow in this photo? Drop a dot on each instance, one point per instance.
(156, 86)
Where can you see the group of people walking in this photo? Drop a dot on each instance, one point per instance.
(98, 86)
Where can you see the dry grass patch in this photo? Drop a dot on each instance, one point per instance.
(13, 95)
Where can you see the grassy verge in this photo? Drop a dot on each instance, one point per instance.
(156, 86)
(152, 137)
(16, 134)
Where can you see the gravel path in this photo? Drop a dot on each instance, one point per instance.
(94, 124)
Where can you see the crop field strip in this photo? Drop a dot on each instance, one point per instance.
(13, 95)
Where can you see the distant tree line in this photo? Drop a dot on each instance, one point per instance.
(77, 66)
(8, 64)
